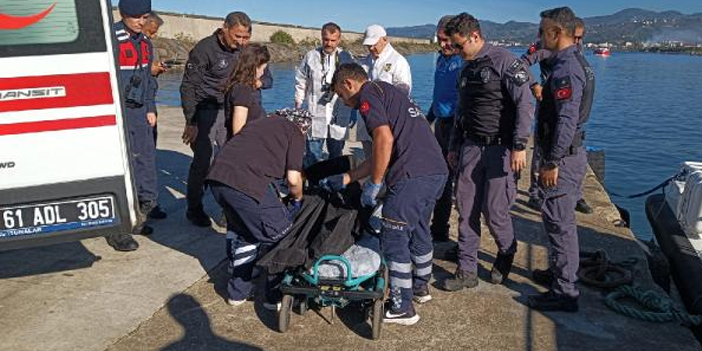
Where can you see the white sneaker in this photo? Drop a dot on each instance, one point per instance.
(407, 318)
(422, 295)
(421, 299)
(235, 303)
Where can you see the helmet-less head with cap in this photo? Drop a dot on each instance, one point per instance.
(134, 13)
(300, 117)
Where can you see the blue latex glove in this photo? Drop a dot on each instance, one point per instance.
(370, 193)
(353, 119)
(293, 208)
(333, 184)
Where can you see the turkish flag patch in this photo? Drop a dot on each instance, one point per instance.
(563, 89)
(564, 93)
(365, 108)
(533, 49)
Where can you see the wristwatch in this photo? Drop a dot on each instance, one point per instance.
(519, 147)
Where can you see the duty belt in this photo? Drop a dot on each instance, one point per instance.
(487, 140)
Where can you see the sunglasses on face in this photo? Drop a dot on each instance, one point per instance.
(458, 46)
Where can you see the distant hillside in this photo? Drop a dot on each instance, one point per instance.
(635, 25)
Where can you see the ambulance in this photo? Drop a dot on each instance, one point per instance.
(64, 168)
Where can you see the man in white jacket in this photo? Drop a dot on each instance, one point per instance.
(330, 119)
(385, 64)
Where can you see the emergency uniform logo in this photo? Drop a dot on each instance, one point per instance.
(223, 63)
(365, 108)
(388, 67)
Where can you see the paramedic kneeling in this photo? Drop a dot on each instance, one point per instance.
(408, 156)
(243, 179)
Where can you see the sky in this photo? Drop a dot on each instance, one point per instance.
(356, 15)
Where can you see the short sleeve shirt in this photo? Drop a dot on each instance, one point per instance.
(261, 153)
(416, 152)
(244, 96)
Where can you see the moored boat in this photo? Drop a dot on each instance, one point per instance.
(602, 52)
(676, 219)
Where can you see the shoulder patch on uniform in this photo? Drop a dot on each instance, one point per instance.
(563, 88)
(517, 64)
(517, 73)
(520, 77)
(533, 49)
(365, 108)
(388, 67)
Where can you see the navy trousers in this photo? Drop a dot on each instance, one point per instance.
(558, 214)
(211, 137)
(253, 228)
(485, 185)
(143, 155)
(405, 237)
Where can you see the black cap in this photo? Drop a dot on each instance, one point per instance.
(134, 7)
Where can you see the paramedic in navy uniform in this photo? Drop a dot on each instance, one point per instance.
(563, 113)
(135, 56)
(407, 155)
(244, 180)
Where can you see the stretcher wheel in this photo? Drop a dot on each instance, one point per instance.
(377, 317)
(303, 306)
(285, 313)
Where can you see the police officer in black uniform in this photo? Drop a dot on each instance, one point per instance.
(202, 94)
(560, 137)
(493, 124)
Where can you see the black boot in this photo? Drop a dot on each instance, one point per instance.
(198, 217)
(582, 207)
(122, 242)
(460, 280)
(550, 301)
(144, 229)
(543, 277)
(501, 268)
(157, 213)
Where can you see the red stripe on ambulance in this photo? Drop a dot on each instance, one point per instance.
(85, 89)
(57, 125)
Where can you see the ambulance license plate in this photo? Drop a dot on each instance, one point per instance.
(45, 218)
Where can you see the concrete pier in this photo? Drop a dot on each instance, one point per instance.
(168, 295)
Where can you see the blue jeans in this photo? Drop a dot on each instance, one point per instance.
(315, 147)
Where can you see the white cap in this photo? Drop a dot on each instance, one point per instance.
(373, 34)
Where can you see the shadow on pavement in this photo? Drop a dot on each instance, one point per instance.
(47, 259)
(198, 329)
(176, 232)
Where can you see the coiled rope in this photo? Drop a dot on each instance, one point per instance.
(657, 309)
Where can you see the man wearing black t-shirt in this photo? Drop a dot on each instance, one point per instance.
(407, 155)
(243, 179)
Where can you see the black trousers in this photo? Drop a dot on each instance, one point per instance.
(443, 128)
